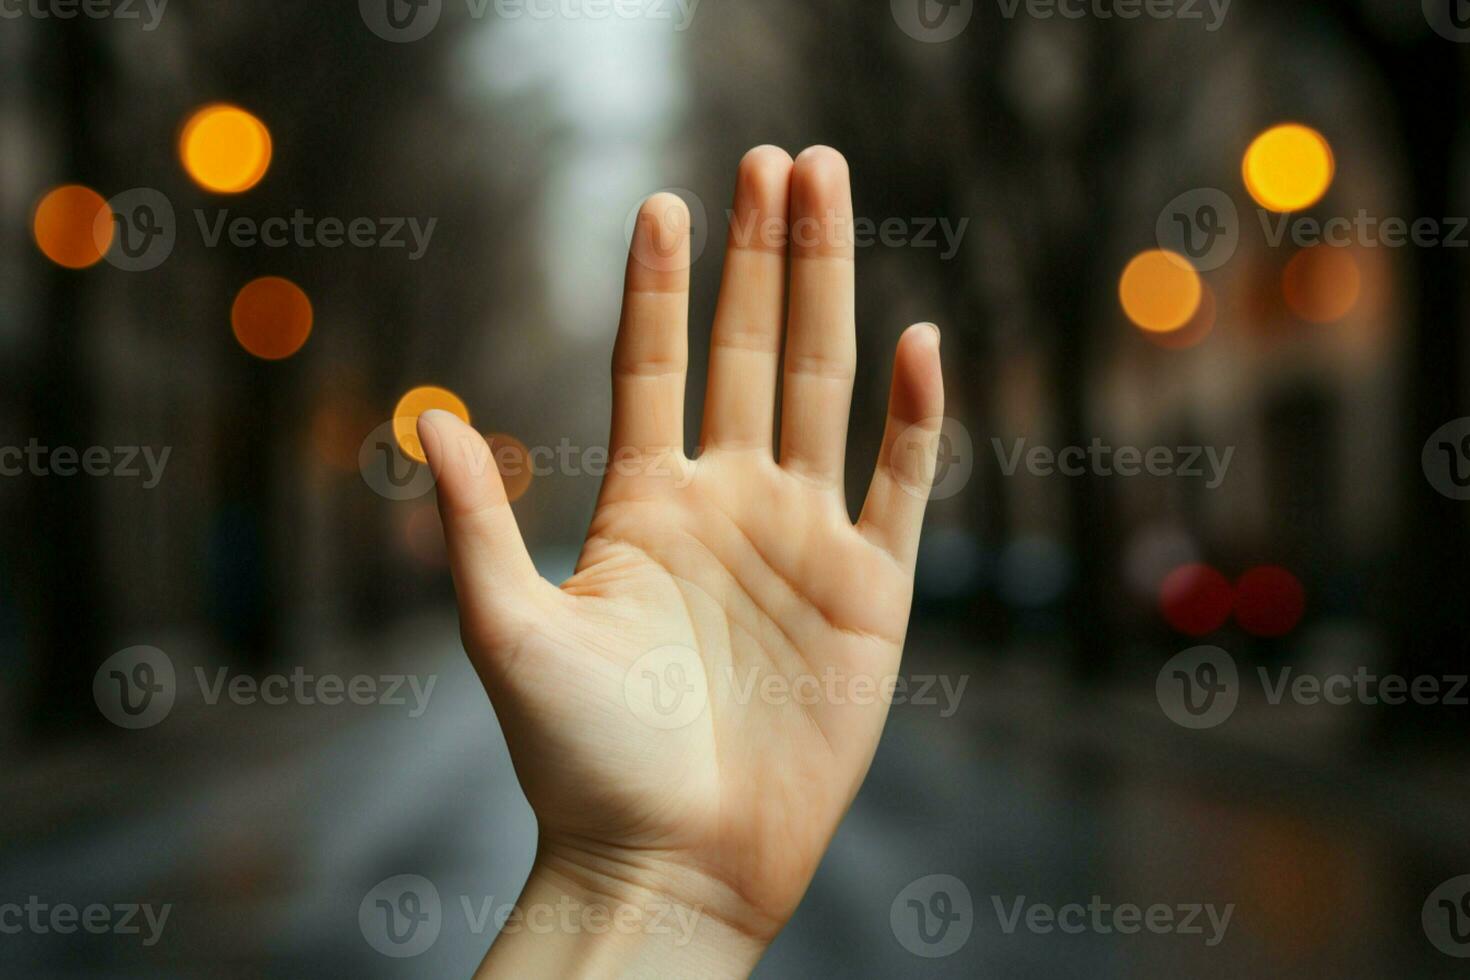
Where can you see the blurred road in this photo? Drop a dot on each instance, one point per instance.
(265, 827)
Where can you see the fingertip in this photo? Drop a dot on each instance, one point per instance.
(433, 430)
(664, 217)
(819, 177)
(918, 381)
(765, 158)
(442, 433)
(821, 205)
(660, 244)
(762, 186)
(820, 161)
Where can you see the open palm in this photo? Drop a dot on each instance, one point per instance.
(692, 712)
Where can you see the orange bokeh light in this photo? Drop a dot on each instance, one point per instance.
(1160, 291)
(225, 149)
(271, 317)
(415, 403)
(513, 460)
(1194, 332)
(1288, 167)
(1322, 284)
(73, 226)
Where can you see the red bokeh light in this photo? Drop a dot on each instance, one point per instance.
(1269, 601)
(1195, 599)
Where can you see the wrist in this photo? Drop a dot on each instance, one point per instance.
(577, 918)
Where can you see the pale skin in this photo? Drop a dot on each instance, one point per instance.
(741, 568)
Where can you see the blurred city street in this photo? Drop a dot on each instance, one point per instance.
(266, 832)
(1203, 501)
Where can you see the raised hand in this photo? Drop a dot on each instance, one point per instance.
(692, 712)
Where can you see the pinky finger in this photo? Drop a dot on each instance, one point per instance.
(894, 510)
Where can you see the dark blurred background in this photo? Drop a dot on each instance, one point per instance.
(1054, 149)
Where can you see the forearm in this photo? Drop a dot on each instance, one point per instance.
(567, 926)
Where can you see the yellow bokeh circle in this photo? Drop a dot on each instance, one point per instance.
(225, 149)
(1288, 167)
(415, 403)
(1160, 291)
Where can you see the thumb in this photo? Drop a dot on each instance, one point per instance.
(494, 577)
